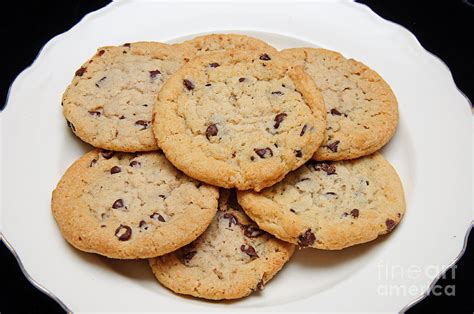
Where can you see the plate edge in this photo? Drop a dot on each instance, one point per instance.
(363, 6)
(49, 43)
(441, 274)
(355, 5)
(35, 284)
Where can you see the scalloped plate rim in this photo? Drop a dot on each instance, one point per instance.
(98, 13)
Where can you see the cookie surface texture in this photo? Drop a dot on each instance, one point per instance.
(110, 100)
(330, 205)
(239, 119)
(232, 259)
(128, 206)
(362, 111)
(219, 42)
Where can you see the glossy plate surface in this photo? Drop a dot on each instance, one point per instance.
(431, 151)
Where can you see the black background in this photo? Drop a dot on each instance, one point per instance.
(445, 28)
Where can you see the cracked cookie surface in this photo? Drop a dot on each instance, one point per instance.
(129, 206)
(239, 119)
(362, 111)
(219, 42)
(330, 205)
(232, 259)
(109, 102)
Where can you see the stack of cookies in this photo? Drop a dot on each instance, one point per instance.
(216, 157)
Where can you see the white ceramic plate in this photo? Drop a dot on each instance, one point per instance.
(431, 151)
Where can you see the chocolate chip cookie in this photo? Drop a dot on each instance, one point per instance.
(232, 259)
(110, 100)
(330, 205)
(362, 109)
(219, 42)
(128, 206)
(240, 119)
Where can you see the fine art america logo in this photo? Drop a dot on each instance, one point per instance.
(396, 277)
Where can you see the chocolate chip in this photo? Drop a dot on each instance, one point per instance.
(188, 84)
(304, 179)
(241, 79)
(93, 162)
(249, 250)
(265, 57)
(355, 213)
(252, 231)
(115, 169)
(62, 104)
(277, 93)
(135, 163)
(292, 210)
(162, 196)
(298, 153)
(278, 119)
(211, 130)
(123, 233)
(99, 82)
(154, 73)
(367, 182)
(122, 117)
(118, 204)
(232, 219)
(208, 84)
(95, 113)
(69, 124)
(260, 285)
(156, 216)
(81, 71)
(187, 256)
(306, 239)
(330, 169)
(127, 45)
(303, 130)
(330, 193)
(213, 65)
(333, 146)
(390, 224)
(143, 225)
(335, 112)
(101, 52)
(107, 154)
(264, 152)
(399, 215)
(144, 124)
(252, 158)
